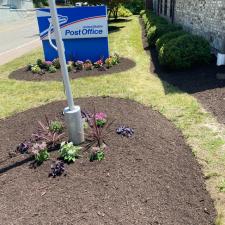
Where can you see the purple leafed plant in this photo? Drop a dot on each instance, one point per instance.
(24, 147)
(95, 134)
(125, 131)
(44, 133)
(57, 169)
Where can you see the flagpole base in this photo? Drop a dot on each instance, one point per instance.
(74, 124)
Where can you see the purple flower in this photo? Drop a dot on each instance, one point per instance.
(78, 62)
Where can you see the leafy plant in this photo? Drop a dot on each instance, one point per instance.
(97, 154)
(125, 131)
(56, 127)
(40, 63)
(98, 64)
(101, 119)
(56, 63)
(36, 69)
(52, 69)
(69, 152)
(24, 147)
(115, 59)
(45, 134)
(47, 64)
(79, 65)
(57, 169)
(88, 65)
(109, 62)
(40, 152)
(29, 66)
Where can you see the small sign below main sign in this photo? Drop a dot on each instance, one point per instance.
(84, 32)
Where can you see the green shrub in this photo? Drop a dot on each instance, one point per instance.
(184, 52)
(135, 6)
(167, 37)
(124, 12)
(69, 152)
(158, 30)
(142, 12)
(52, 69)
(56, 126)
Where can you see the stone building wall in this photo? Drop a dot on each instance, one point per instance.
(201, 17)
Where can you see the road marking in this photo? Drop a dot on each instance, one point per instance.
(19, 47)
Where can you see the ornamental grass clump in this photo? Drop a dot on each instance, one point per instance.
(49, 133)
(95, 134)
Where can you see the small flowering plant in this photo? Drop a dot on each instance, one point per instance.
(79, 65)
(101, 119)
(47, 64)
(109, 62)
(88, 65)
(98, 64)
(97, 153)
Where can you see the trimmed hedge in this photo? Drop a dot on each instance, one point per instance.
(184, 52)
(159, 30)
(167, 37)
(177, 49)
(156, 26)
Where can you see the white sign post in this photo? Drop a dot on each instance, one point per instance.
(72, 113)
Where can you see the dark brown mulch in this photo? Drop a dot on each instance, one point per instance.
(23, 74)
(151, 178)
(200, 81)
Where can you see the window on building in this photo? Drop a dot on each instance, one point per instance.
(165, 7)
(160, 7)
(172, 9)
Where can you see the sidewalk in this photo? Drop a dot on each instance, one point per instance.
(18, 38)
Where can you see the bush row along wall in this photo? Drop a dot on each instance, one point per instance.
(201, 17)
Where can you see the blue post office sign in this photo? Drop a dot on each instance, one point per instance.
(84, 32)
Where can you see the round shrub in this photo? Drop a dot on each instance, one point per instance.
(124, 12)
(167, 37)
(158, 30)
(142, 12)
(184, 52)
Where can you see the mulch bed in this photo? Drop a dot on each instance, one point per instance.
(23, 74)
(200, 81)
(151, 178)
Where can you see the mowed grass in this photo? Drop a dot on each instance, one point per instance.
(202, 132)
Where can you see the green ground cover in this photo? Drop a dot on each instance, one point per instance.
(202, 132)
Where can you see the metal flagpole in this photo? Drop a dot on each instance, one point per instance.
(72, 113)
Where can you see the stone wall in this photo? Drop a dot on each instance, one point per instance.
(201, 17)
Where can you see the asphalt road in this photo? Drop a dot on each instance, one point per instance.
(18, 38)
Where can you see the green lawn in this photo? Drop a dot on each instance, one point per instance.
(202, 132)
